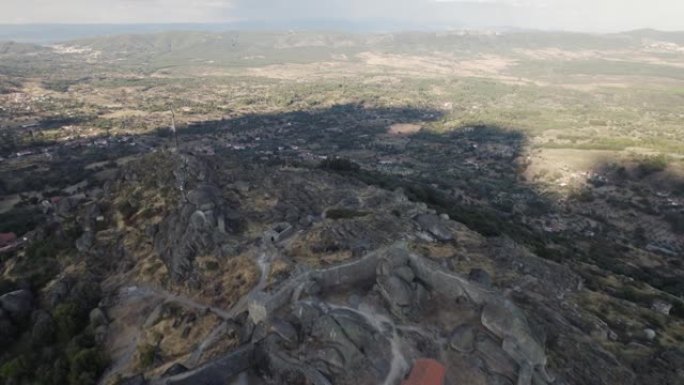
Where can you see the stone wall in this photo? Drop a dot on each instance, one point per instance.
(218, 372)
(499, 315)
(262, 305)
(448, 284)
(348, 274)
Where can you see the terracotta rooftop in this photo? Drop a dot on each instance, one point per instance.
(7, 238)
(426, 371)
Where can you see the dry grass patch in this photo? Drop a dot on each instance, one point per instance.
(174, 336)
(303, 249)
(435, 250)
(280, 268)
(225, 282)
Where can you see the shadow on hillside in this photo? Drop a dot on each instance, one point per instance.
(38, 169)
(475, 174)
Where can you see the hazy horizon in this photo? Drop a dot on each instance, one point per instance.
(557, 15)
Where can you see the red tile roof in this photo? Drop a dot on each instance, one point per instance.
(426, 371)
(7, 238)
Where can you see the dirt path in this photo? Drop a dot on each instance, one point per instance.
(264, 262)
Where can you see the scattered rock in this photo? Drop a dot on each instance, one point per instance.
(97, 317)
(285, 330)
(463, 338)
(661, 307)
(405, 273)
(497, 361)
(85, 242)
(435, 226)
(665, 366)
(331, 356)
(307, 315)
(480, 276)
(101, 334)
(650, 334)
(396, 290)
(354, 300)
(17, 304)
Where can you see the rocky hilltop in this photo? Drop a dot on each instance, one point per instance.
(208, 269)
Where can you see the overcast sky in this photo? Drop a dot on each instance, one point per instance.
(585, 15)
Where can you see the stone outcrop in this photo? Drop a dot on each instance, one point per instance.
(17, 304)
(435, 226)
(499, 315)
(200, 225)
(336, 340)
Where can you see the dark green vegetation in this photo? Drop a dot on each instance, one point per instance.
(57, 343)
(344, 214)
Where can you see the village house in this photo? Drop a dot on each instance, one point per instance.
(7, 239)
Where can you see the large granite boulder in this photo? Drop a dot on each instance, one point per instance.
(462, 338)
(396, 281)
(436, 226)
(353, 349)
(496, 360)
(18, 304)
(508, 322)
(396, 290)
(85, 242)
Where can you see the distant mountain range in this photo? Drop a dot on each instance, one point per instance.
(54, 33)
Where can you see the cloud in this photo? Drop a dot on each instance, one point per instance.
(594, 15)
(114, 11)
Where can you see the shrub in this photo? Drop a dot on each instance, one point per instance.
(146, 355)
(58, 85)
(86, 366)
(340, 164)
(676, 221)
(344, 214)
(652, 164)
(127, 208)
(66, 316)
(20, 220)
(585, 196)
(47, 248)
(7, 286)
(13, 371)
(211, 265)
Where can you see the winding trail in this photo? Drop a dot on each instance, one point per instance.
(176, 298)
(264, 262)
(142, 292)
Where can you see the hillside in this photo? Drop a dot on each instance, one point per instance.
(326, 208)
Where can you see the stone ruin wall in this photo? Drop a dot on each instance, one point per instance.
(500, 316)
